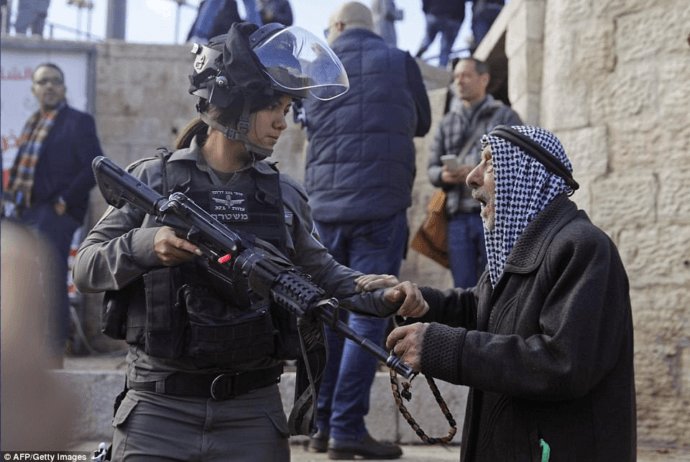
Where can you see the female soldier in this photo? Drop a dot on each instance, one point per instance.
(204, 358)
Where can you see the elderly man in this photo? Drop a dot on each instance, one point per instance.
(545, 340)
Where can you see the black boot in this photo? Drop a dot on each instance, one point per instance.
(365, 446)
(319, 442)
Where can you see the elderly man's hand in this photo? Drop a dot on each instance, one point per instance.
(406, 342)
(413, 304)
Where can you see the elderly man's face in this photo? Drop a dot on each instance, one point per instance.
(481, 180)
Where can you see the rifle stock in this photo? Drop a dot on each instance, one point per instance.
(269, 274)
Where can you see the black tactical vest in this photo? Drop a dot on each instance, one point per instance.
(185, 311)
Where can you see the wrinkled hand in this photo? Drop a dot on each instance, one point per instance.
(413, 304)
(172, 250)
(406, 342)
(371, 282)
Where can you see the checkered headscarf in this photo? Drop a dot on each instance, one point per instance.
(523, 187)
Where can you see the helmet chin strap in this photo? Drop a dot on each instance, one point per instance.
(239, 134)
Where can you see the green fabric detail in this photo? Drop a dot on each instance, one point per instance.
(545, 451)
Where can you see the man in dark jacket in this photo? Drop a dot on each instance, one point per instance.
(458, 136)
(49, 183)
(545, 340)
(360, 168)
(444, 17)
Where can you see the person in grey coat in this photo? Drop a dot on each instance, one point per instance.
(545, 339)
(458, 135)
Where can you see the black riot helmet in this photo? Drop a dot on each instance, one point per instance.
(249, 64)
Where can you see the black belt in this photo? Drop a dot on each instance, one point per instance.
(217, 386)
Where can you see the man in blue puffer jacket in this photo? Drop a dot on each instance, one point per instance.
(359, 172)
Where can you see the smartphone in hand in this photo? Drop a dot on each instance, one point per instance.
(451, 162)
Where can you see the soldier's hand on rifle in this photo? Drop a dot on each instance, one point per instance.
(406, 342)
(413, 304)
(172, 250)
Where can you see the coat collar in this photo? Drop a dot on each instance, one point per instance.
(531, 246)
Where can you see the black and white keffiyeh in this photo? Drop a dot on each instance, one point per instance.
(523, 188)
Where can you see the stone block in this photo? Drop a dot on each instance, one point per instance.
(652, 31)
(136, 131)
(655, 253)
(674, 189)
(563, 105)
(587, 150)
(662, 329)
(559, 53)
(674, 94)
(570, 11)
(527, 106)
(636, 205)
(526, 24)
(635, 143)
(289, 151)
(613, 8)
(524, 73)
(630, 91)
(594, 51)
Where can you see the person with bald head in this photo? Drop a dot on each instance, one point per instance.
(360, 168)
(545, 338)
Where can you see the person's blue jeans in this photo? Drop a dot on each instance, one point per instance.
(58, 231)
(373, 248)
(466, 248)
(483, 16)
(448, 28)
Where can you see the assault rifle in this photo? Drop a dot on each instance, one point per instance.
(268, 273)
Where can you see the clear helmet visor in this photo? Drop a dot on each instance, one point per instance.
(299, 62)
